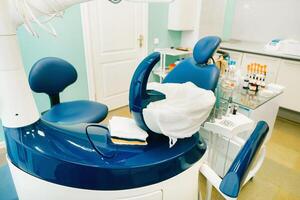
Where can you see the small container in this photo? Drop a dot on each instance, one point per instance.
(172, 66)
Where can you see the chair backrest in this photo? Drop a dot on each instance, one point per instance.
(139, 97)
(196, 69)
(238, 171)
(51, 76)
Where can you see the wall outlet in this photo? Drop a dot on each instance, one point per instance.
(156, 41)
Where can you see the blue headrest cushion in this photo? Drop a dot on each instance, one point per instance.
(51, 75)
(205, 49)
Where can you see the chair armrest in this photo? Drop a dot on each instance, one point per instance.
(233, 180)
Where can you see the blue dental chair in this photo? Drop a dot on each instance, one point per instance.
(83, 156)
(51, 76)
(196, 70)
(87, 148)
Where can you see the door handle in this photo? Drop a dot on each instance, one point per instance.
(141, 40)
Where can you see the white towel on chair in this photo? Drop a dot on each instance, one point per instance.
(126, 128)
(183, 111)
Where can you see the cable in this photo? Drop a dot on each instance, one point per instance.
(26, 12)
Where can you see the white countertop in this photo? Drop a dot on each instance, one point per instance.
(173, 52)
(255, 48)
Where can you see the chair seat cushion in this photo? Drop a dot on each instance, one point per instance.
(76, 112)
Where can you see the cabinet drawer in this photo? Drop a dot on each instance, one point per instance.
(158, 195)
(272, 63)
(289, 76)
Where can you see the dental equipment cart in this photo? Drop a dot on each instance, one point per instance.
(256, 108)
(161, 71)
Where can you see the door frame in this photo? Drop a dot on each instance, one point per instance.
(89, 48)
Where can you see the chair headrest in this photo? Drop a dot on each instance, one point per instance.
(205, 49)
(51, 75)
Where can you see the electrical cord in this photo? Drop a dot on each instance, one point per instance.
(26, 12)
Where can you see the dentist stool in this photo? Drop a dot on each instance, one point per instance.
(51, 76)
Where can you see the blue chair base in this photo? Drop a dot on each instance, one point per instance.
(76, 112)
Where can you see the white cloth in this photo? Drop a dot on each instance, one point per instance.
(126, 128)
(183, 111)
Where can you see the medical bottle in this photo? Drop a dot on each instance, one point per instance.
(246, 80)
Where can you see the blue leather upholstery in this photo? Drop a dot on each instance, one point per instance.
(196, 69)
(51, 76)
(233, 180)
(205, 49)
(76, 112)
(205, 77)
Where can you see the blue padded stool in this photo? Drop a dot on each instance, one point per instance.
(51, 76)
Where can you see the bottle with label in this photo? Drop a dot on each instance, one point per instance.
(246, 80)
(252, 81)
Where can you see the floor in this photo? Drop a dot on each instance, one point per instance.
(279, 177)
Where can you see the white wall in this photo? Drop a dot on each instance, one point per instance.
(209, 21)
(263, 20)
(212, 17)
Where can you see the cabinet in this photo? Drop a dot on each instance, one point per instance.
(152, 196)
(282, 69)
(182, 15)
(288, 76)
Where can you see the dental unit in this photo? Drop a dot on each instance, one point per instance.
(53, 161)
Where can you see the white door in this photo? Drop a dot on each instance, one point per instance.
(115, 42)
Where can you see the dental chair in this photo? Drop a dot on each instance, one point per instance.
(56, 161)
(196, 70)
(51, 76)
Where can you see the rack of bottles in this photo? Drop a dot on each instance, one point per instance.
(255, 78)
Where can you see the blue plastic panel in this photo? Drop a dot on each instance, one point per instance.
(139, 97)
(83, 156)
(233, 180)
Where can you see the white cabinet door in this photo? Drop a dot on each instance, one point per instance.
(272, 63)
(289, 76)
(182, 15)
